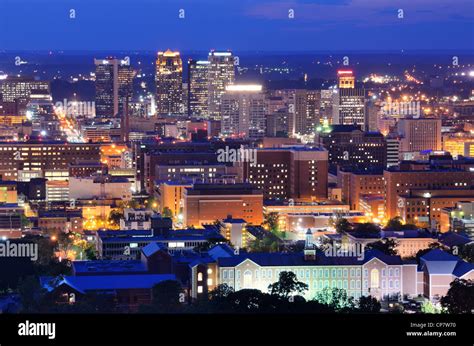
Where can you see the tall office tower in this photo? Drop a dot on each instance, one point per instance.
(198, 88)
(349, 107)
(125, 86)
(418, 134)
(185, 89)
(243, 111)
(106, 87)
(374, 113)
(169, 83)
(345, 79)
(40, 112)
(351, 148)
(221, 74)
(349, 103)
(325, 106)
(113, 86)
(15, 93)
(313, 116)
(393, 149)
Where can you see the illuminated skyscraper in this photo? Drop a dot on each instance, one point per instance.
(221, 74)
(349, 103)
(243, 111)
(15, 92)
(346, 79)
(198, 88)
(169, 83)
(113, 85)
(125, 82)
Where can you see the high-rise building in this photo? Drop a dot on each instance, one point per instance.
(393, 150)
(306, 104)
(206, 203)
(298, 173)
(243, 111)
(349, 102)
(15, 93)
(349, 107)
(113, 86)
(48, 159)
(401, 181)
(325, 106)
(169, 83)
(418, 134)
(351, 148)
(221, 74)
(198, 88)
(125, 87)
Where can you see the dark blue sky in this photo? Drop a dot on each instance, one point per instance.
(236, 24)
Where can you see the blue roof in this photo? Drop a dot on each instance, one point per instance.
(437, 255)
(152, 248)
(451, 239)
(108, 266)
(463, 268)
(232, 220)
(440, 262)
(107, 282)
(412, 233)
(221, 250)
(297, 259)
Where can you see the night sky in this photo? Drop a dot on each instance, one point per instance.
(245, 25)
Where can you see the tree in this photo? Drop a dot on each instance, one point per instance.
(342, 225)
(335, 298)
(114, 217)
(65, 244)
(90, 252)
(271, 221)
(460, 297)
(396, 224)
(368, 228)
(221, 292)
(266, 244)
(25, 221)
(467, 252)
(28, 288)
(286, 285)
(430, 247)
(167, 212)
(369, 304)
(252, 300)
(428, 308)
(385, 245)
(167, 296)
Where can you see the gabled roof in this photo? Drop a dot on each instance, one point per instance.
(108, 267)
(463, 268)
(440, 262)
(437, 255)
(106, 282)
(451, 239)
(153, 248)
(221, 250)
(297, 259)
